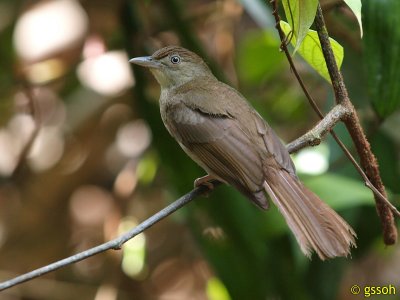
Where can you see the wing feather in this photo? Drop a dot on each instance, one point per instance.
(220, 145)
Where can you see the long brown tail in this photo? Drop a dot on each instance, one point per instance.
(315, 225)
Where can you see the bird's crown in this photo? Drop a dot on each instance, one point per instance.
(176, 50)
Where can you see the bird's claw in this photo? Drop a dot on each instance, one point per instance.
(205, 181)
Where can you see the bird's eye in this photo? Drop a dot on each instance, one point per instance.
(175, 59)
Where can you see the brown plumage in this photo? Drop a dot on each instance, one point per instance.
(218, 128)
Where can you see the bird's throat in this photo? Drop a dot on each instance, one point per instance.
(164, 81)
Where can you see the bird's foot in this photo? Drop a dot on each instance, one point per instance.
(205, 181)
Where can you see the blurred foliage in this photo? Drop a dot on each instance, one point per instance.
(112, 172)
(382, 48)
(252, 53)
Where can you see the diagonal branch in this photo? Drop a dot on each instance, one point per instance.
(115, 244)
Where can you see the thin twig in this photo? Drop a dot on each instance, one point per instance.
(115, 244)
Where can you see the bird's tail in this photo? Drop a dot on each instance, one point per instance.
(315, 225)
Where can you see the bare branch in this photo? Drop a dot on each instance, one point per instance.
(314, 136)
(115, 244)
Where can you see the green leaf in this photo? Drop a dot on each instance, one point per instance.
(355, 6)
(381, 50)
(340, 192)
(310, 50)
(300, 14)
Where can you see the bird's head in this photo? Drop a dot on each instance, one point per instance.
(173, 66)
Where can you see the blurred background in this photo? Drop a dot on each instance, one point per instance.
(84, 155)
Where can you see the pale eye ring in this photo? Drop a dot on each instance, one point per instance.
(175, 59)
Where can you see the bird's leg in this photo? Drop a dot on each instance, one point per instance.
(205, 180)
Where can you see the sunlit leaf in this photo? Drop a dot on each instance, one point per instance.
(310, 50)
(381, 50)
(355, 6)
(300, 14)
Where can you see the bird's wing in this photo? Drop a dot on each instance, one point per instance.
(220, 145)
(273, 145)
(230, 103)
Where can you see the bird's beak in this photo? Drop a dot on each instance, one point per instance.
(145, 61)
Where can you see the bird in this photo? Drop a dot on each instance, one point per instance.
(218, 128)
